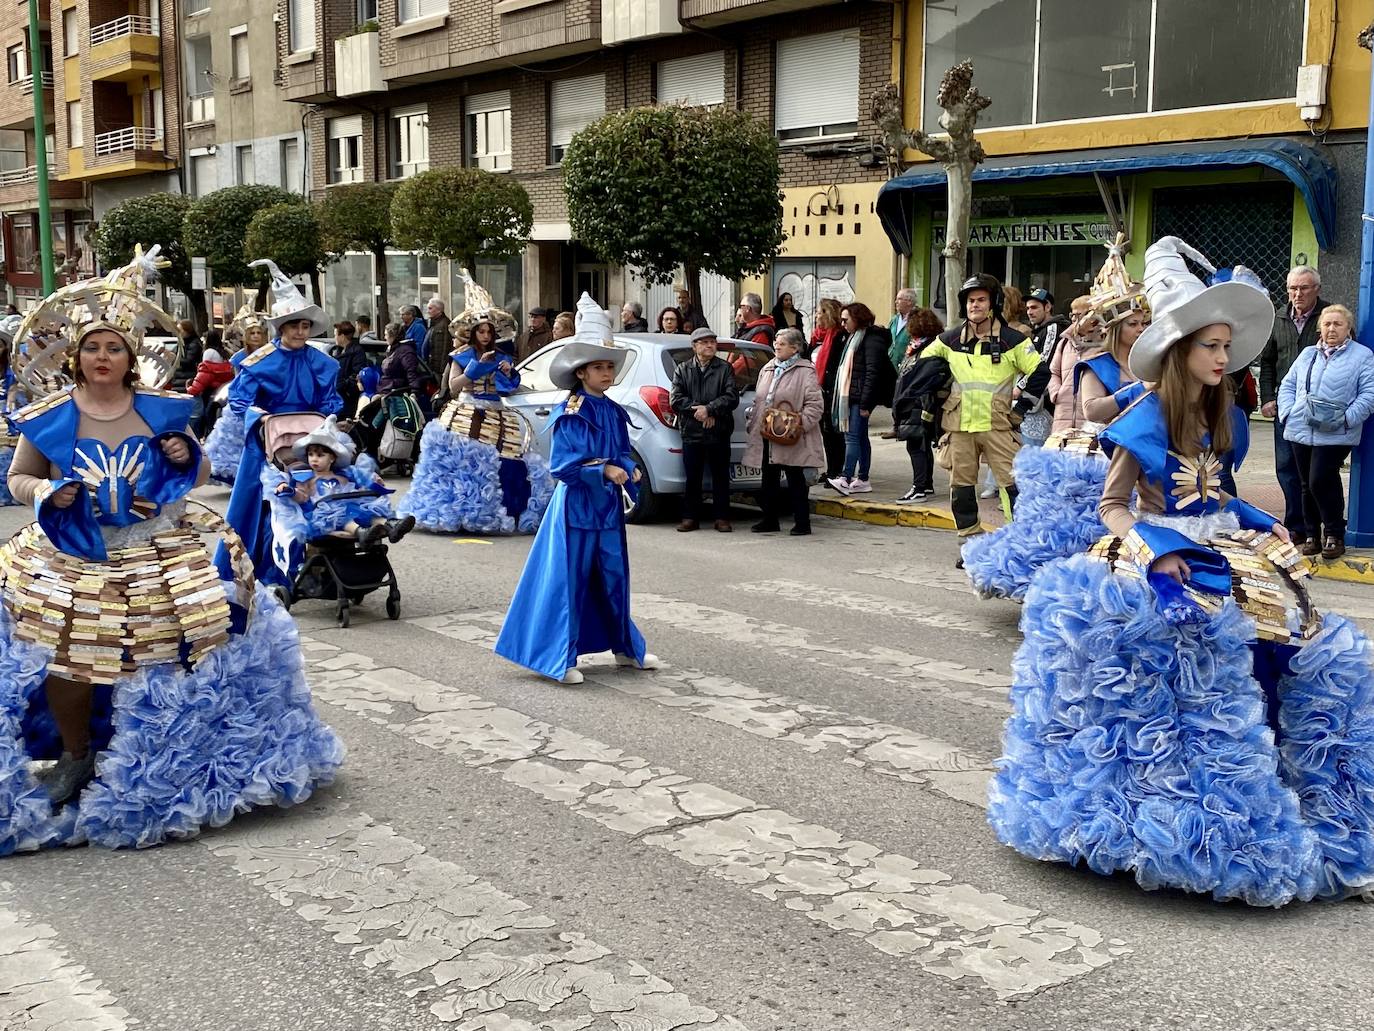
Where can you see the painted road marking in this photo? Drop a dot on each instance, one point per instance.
(872, 605)
(41, 989)
(485, 957)
(889, 901)
(869, 745)
(921, 576)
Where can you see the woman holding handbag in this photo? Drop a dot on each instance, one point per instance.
(1324, 400)
(784, 427)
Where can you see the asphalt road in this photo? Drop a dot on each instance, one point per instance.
(782, 829)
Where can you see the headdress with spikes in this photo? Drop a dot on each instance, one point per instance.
(479, 307)
(247, 318)
(117, 302)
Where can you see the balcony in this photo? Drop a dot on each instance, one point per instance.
(130, 139)
(200, 108)
(703, 14)
(125, 50)
(134, 150)
(25, 85)
(19, 190)
(358, 64)
(624, 21)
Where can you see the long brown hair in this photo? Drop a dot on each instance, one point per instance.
(828, 313)
(1188, 421)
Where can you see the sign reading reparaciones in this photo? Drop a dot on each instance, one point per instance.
(1052, 231)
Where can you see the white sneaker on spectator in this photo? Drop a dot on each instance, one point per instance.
(651, 661)
(860, 487)
(910, 497)
(988, 492)
(839, 483)
(922, 495)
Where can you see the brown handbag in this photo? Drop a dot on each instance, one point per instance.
(782, 424)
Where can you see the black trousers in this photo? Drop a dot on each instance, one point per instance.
(798, 491)
(697, 457)
(1323, 496)
(922, 456)
(1286, 466)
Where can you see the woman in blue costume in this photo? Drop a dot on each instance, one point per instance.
(288, 376)
(224, 445)
(477, 472)
(574, 594)
(116, 654)
(8, 438)
(1180, 711)
(1061, 482)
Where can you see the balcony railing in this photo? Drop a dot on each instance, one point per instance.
(129, 25)
(132, 138)
(200, 108)
(26, 83)
(19, 176)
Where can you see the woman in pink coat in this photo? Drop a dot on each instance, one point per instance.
(789, 380)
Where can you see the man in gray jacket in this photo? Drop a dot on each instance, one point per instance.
(1295, 327)
(704, 397)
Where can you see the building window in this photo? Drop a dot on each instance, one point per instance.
(408, 142)
(75, 129)
(698, 81)
(488, 134)
(366, 11)
(243, 164)
(196, 6)
(300, 16)
(17, 62)
(1056, 60)
(71, 33)
(24, 240)
(573, 104)
(204, 176)
(816, 86)
(291, 170)
(410, 10)
(14, 155)
(238, 53)
(199, 66)
(345, 150)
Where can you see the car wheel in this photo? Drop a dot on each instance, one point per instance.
(649, 507)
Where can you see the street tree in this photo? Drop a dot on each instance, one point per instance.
(463, 214)
(155, 218)
(216, 229)
(661, 187)
(289, 234)
(357, 217)
(958, 151)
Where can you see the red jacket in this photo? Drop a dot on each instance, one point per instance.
(210, 376)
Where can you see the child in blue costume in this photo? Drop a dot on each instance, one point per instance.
(162, 719)
(288, 376)
(574, 594)
(224, 445)
(477, 471)
(1180, 710)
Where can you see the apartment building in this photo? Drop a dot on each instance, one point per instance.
(398, 86)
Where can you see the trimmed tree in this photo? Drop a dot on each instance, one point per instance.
(289, 234)
(659, 187)
(462, 214)
(357, 217)
(217, 228)
(156, 218)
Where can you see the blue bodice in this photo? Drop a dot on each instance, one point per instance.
(489, 383)
(112, 477)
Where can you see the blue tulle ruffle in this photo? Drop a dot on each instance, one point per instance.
(1055, 517)
(224, 446)
(1138, 746)
(189, 749)
(6, 457)
(457, 487)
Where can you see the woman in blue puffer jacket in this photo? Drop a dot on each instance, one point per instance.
(1323, 401)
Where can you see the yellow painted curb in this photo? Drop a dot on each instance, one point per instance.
(1349, 569)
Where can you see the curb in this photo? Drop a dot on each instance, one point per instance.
(1349, 569)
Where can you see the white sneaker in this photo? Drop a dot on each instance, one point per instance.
(651, 661)
(840, 484)
(860, 487)
(572, 676)
(988, 492)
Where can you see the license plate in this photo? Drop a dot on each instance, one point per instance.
(739, 471)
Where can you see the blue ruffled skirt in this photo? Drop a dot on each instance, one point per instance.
(176, 750)
(1055, 517)
(1186, 755)
(224, 446)
(461, 484)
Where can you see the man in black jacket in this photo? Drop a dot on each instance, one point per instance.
(704, 396)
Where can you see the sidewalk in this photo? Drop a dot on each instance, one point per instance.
(891, 478)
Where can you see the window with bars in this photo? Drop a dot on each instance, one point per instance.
(408, 143)
(573, 105)
(1248, 224)
(816, 86)
(488, 122)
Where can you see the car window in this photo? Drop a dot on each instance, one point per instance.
(746, 359)
(534, 374)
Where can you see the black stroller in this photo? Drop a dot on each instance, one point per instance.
(345, 571)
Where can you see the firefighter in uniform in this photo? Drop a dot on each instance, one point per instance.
(985, 357)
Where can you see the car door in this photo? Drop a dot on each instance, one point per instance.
(537, 395)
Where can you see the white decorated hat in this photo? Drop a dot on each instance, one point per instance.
(289, 304)
(1180, 304)
(593, 341)
(327, 435)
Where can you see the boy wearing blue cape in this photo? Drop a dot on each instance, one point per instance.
(574, 594)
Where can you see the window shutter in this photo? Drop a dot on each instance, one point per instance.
(573, 104)
(485, 103)
(698, 80)
(347, 125)
(412, 9)
(817, 80)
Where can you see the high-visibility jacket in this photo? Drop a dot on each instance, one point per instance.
(983, 372)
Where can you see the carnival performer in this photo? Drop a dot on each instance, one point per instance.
(286, 376)
(574, 594)
(1180, 710)
(116, 649)
(224, 445)
(477, 470)
(1061, 483)
(8, 437)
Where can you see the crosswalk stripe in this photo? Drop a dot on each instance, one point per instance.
(41, 989)
(880, 748)
(991, 687)
(490, 958)
(919, 576)
(871, 605)
(889, 901)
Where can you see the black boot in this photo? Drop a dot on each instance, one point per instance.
(398, 528)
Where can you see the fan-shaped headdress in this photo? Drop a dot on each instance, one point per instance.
(1114, 296)
(246, 318)
(51, 332)
(478, 307)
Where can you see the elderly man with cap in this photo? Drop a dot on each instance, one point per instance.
(704, 396)
(539, 334)
(574, 594)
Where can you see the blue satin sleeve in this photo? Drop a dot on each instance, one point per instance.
(73, 529)
(507, 384)
(163, 481)
(1209, 570)
(593, 502)
(1250, 516)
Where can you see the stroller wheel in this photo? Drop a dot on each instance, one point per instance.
(344, 617)
(393, 608)
(282, 595)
